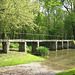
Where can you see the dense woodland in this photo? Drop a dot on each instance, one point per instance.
(44, 17)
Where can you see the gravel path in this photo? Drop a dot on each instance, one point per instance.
(28, 69)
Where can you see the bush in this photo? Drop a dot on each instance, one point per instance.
(29, 48)
(0, 45)
(42, 51)
(14, 45)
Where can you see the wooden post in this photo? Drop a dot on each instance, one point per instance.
(56, 45)
(6, 46)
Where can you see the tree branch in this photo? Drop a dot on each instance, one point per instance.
(67, 9)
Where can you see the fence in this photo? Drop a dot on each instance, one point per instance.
(30, 36)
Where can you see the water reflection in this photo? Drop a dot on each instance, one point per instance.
(61, 59)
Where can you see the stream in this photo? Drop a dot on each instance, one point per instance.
(61, 59)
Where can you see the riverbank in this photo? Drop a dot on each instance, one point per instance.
(21, 58)
(68, 72)
(16, 58)
(28, 69)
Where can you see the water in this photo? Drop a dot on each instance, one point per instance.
(61, 59)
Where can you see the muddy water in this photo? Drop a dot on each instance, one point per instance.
(61, 59)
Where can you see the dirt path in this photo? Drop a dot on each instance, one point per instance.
(28, 69)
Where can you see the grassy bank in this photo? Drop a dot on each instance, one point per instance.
(15, 58)
(68, 72)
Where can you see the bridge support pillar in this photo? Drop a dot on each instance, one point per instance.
(22, 46)
(56, 45)
(71, 45)
(6, 46)
(53, 45)
(67, 44)
(34, 46)
(62, 45)
(37, 44)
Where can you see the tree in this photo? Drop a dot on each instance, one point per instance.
(69, 19)
(49, 6)
(17, 14)
(69, 5)
(70, 24)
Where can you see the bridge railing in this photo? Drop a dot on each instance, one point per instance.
(30, 36)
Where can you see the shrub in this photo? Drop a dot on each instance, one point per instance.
(29, 48)
(14, 45)
(42, 51)
(0, 45)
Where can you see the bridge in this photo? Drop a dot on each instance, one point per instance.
(52, 44)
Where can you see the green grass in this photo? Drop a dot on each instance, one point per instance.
(68, 72)
(15, 58)
(14, 45)
(0, 45)
(74, 41)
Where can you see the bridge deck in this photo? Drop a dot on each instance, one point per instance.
(21, 40)
(35, 43)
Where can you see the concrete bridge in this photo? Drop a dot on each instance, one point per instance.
(52, 44)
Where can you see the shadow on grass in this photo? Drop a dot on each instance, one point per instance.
(14, 50)
(1, 52)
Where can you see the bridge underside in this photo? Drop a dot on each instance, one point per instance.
(51, 44)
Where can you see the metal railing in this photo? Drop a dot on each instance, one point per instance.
(31, 36)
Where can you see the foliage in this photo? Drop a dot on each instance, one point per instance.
(68, 72)
(14, 45)
(42, 51)
(36, 17)
(70, 24)
(29, 48)
(17, 14)
(74, 41)
(15, 58)
(0, 45)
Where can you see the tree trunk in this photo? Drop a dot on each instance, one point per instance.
(74, 33)
(39, 31)
(3, 35)
(74, 26)
(25, 34)
(74, 5)
(48, 23)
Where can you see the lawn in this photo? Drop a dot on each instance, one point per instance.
(68, 72)
(15, 58)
